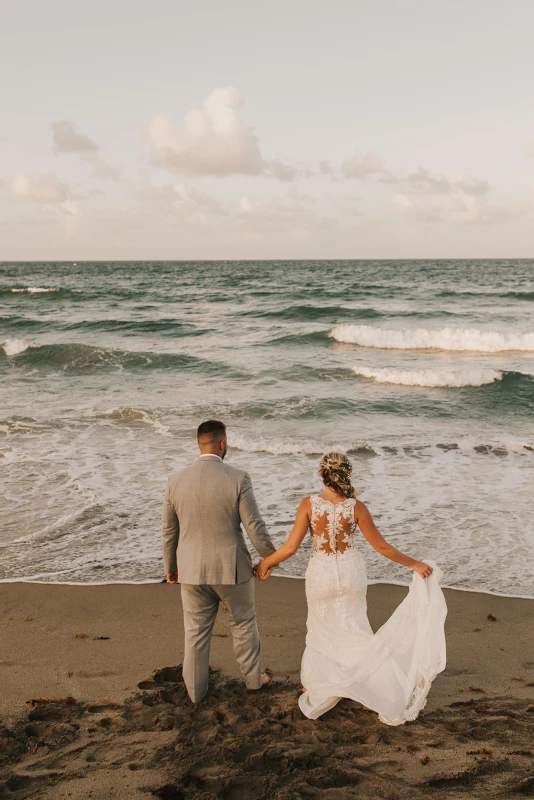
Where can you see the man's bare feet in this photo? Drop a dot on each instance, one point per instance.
(266, 678)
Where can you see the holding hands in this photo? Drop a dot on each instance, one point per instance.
(262, 571)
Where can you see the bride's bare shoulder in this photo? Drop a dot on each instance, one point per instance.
(360, 509)
(305, 505)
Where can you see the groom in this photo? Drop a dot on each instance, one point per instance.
(204, 549)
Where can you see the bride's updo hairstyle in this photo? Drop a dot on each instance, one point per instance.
(335, 470)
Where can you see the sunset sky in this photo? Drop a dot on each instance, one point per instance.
(173, 130)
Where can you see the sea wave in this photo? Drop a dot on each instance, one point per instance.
(34, 290)
(454, 339)
(81, 356)
(288, 446)
(429, 377)
(14, 347)
(515, 295)
(310, 313)
(130, 327)
(128, 414)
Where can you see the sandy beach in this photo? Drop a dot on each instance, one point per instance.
(126, 727)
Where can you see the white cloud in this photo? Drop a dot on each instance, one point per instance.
(68, 140)
(360, 165)
(293, 214)
(213, 140)
(458, 207)
(178, 202)
(44, 189)
(102, 168)
(424, 182)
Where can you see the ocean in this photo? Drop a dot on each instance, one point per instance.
(422, 371)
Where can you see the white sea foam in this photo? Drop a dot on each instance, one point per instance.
(13, 347)
(276, 447)
(468, 339)
(430, 377)
(128, 414)
(34, 290)
(281, 447)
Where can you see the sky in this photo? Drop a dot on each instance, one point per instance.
(247, 130)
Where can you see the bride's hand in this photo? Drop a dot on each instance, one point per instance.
(261, 572)
(422, 569)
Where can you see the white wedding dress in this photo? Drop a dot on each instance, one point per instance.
(389, 671)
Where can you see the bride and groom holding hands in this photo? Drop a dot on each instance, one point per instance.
(204, 549)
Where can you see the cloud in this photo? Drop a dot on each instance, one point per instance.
(529, 150)
(43, 189)
(68, 140)
(281, 171)
(459, 207)
(293, 214)
(180, 203)
(213, 140)
(102, 168)
(424, 182)
(360, 165)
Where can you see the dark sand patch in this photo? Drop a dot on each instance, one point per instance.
(239, 747)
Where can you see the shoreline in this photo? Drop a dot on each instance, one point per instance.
(154, 582)
(54, 646)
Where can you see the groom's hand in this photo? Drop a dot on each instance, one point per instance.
(262, 574)
(172, 577)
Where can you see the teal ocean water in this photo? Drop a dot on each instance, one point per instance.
(422, 371)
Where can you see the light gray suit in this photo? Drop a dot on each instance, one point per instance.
(203, 509)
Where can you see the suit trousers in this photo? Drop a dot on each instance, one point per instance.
(200, 605)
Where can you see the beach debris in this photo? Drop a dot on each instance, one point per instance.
(492, 618)
(28, 619)
(425, 759)
(280, 635)
(80, 636)
(526, 786)
(518, 678)
(70, 674)
(477, 630)
(155, 615)
(101, 637)
(42, 700)
(221, 635)
(531, 709)
(477, 689)
(530, 683)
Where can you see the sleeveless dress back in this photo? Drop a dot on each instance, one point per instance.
(389, 672)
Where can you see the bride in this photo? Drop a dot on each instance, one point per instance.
(389, 671)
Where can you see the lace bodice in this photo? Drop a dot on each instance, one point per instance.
(332, 526)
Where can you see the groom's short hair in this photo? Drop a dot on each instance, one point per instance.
(211, 431)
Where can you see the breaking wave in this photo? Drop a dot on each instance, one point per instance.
(467, 339)
(85, 357)
(430, 378)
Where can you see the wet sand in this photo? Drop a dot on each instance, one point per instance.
(125, 733)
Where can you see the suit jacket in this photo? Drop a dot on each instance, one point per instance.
(203, 509)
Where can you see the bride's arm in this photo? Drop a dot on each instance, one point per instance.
(374, 537)
(290, 547)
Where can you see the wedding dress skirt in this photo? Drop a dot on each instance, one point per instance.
(389, 671)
